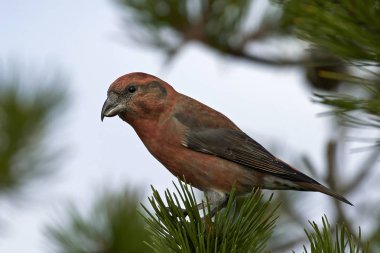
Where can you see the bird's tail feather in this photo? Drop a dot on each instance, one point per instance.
(323, 189)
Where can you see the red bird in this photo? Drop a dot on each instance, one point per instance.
(198, 143)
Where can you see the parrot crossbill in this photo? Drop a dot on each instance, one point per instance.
(199, 144)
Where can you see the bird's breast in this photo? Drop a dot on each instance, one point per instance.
(206, 172)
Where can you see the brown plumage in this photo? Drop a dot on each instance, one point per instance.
(196, 142)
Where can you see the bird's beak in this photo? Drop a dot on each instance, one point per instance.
(111, 106)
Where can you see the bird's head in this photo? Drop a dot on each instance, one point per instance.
(137, 96)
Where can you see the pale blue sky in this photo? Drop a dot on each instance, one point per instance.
(85, 39)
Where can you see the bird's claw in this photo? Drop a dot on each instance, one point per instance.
(184, 212)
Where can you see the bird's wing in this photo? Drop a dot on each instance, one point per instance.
(234, 145)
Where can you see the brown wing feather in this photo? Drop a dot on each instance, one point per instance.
(236, 146)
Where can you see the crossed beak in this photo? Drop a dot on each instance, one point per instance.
(111, 106)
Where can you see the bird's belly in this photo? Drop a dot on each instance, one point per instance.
(207, 172)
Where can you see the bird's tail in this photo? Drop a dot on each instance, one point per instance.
(320, 188)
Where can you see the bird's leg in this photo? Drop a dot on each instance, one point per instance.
(217, 199)
(184, 211)
(219, 207)
(200, 206)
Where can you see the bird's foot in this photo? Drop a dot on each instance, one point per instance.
(201, 206)
(183, 211)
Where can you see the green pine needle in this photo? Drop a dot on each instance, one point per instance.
(237, 228)
(323, 240)
(25, 117)
(112, 225)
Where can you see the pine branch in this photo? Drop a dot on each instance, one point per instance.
(113, 225)
(222, 25)
(349, 30)
(322, 240)
(237, 228)
(25, 118)
(245, 225)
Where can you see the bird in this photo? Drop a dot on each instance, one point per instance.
(198, 144)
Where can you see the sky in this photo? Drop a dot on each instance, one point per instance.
(85, 41)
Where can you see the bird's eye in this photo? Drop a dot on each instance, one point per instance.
(131, 89)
